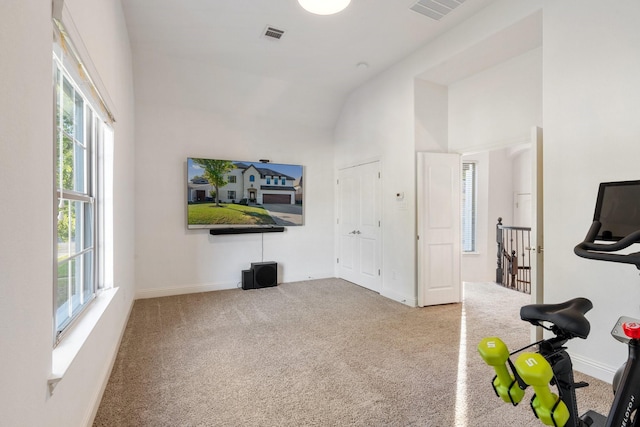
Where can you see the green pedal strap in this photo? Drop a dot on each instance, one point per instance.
(537, 372)
(495, 353)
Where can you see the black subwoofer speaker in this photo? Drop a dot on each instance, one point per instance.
(265, 274)
(247, 279)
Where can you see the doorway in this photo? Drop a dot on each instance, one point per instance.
(509, 187)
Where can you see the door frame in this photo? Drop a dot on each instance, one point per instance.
(534, 141)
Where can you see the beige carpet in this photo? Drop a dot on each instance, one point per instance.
(316, 353)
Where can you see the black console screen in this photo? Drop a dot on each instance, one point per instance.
(618, 209)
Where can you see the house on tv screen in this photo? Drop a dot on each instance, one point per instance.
(250, 184)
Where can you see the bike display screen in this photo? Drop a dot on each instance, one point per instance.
(618, 209)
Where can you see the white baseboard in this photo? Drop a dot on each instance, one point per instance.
(307, 277)
(593, 368)
(208, 287)
(186, 289)
(404, 299)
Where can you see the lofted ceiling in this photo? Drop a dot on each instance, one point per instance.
(319, 53)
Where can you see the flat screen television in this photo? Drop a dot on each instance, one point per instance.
(243, 194)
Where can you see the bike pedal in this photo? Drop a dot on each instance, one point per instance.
(581, 384)
(594, 419)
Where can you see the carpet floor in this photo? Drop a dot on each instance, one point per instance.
(317, 353)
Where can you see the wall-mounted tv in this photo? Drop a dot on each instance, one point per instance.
(243, 194)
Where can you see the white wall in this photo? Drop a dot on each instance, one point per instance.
(522, 170)
(497, 106)
(591, 70)
(27, 224)
(431, 115)
(171, 126)
(26, 171)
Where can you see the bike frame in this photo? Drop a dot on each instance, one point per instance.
(562, 366)
(627, 396)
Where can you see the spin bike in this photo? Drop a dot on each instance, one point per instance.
(616, 226)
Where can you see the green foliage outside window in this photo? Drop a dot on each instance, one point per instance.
(215, 172)
(65, 154)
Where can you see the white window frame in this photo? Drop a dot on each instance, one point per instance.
(469, 207)
(86, 250)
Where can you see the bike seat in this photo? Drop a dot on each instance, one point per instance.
(567, 316)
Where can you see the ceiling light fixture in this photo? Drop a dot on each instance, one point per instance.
(324, 7)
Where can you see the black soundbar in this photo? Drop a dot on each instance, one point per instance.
(244, 230)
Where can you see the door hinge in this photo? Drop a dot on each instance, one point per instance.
(378, 223)
(337, 181)
(337, 260)
(378, 175)
(378, 272)
(337, 220)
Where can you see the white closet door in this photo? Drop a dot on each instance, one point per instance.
(359, 225)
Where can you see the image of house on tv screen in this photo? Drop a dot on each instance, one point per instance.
(230, 193)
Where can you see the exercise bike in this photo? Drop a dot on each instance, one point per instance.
(617, 222)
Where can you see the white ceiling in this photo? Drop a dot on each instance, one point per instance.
(321, 51)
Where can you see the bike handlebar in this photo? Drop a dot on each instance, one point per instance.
(599, 251)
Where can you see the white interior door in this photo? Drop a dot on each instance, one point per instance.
(438, 197)
(522, 210)
(359, 225)
(537, 224)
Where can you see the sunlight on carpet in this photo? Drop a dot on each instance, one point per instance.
(461, 389)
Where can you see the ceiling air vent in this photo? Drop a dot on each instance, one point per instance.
(273, 33)
(435, 9)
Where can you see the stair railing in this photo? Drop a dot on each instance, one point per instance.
(513, 257)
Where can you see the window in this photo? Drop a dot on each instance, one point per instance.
(231, 195)
(79, 138)
(268, 181)
(252, 178)
(469, 207)
(231, 179)
(283, 181)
